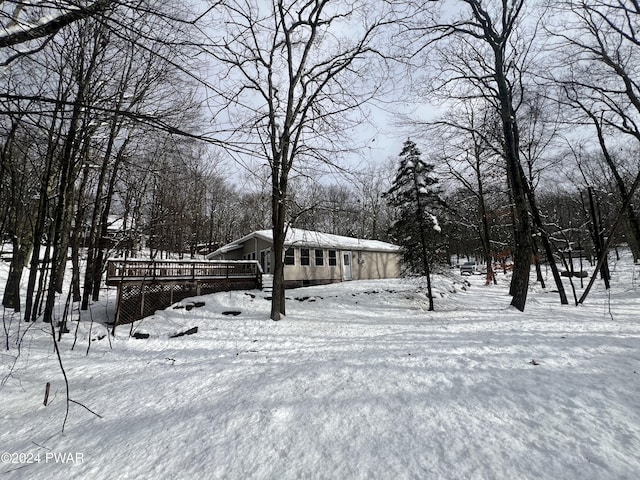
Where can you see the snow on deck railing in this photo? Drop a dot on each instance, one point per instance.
(119, 270)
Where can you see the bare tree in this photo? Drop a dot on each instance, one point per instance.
(483, 43)
(90, 123)
(599, 48)
(540, 122)
(294, 76)
(375, 214)
(18, 203)
(464, 141)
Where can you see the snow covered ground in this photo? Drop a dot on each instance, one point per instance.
(358, 381)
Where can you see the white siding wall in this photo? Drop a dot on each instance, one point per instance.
(365, 265)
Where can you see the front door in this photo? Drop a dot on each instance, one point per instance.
(265, 261)
(346, 266)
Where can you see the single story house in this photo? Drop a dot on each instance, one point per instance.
(315, 258)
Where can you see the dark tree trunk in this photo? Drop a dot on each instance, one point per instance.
(11, 298)
(279, 174)
(46, 181)
(21, 238)
(58, 229)
(76, 295)
(77, 235)
(423, 242)
(30, 311)
(546, 243)
(522, 226)
(44, 270)
(66, 233)
(486, 228)
(63, 209)
(539, 277)
(278, 300)
(100, 260)
(598, 238)
(427, 269)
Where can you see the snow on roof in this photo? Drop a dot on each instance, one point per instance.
(310, 238)
(115, 224)
(226, 248)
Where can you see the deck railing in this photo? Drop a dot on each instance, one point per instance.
(145, 286)
(119, 270)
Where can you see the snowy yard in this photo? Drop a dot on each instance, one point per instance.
(358, 381)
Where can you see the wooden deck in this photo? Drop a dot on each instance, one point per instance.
(119, 271)
(145, 286)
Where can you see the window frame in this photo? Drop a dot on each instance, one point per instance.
(289, 257)
(305, 260)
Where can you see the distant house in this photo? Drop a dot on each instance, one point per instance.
(314, 258)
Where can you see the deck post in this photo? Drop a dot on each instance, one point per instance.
(142, 300)
(119, 302)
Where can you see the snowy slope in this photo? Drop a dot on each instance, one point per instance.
(358, 381)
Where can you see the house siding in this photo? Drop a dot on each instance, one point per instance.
(374, 265)
(365, 263)
(312, 274)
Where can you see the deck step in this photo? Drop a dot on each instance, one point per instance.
(267, 283)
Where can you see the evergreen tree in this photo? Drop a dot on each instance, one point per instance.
(415, 196)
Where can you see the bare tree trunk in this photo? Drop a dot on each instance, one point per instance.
(48, 26)
(537, 220)
(598, 238)
(486, 228)
(539, 277)
(43, 278)
(278, 205)
(93, 239)
(21, 251)
(495, 27)
(62, 212)
(77, 235)
(74, 244)
(100, 261)
(67, 213)
(30, 312)
(425, 256)
(522, 226)
(58, 241)
(17, 207)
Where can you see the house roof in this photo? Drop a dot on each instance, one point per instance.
(115, 224)
(309, 238)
